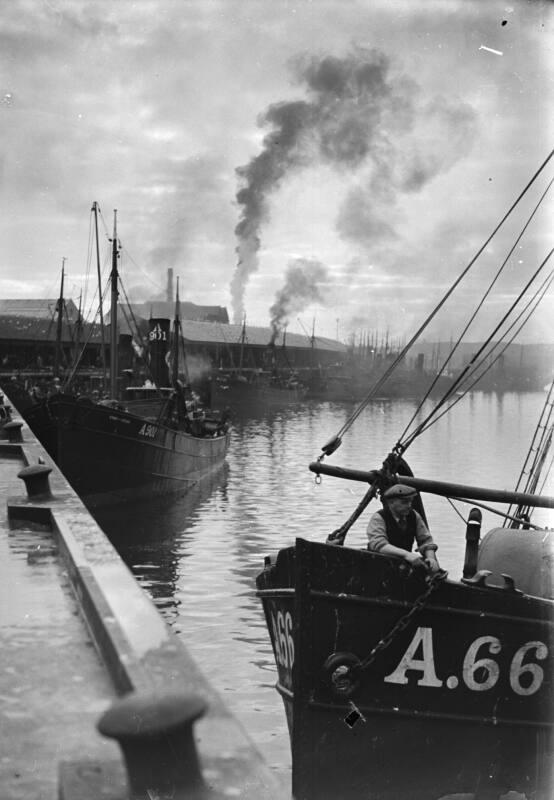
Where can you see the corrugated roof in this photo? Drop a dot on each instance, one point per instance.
(25, 328)
(217, 333)
(40, 329)
(43, 309)
(166, 310)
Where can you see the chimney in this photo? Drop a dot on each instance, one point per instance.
(169, 297)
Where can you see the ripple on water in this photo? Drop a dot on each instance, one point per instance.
(198, 556)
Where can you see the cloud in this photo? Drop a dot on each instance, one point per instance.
(360, 115)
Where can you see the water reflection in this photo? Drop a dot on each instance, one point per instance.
(151, 537)
(198, 556)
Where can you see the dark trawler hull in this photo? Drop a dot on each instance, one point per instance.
(459, 701)
(254, 395)
(109, 455)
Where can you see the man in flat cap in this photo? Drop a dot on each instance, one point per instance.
(397, 526)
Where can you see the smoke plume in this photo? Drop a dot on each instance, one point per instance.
(360, 113)
(303, 281)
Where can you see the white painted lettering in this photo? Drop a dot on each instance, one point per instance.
(426, 664)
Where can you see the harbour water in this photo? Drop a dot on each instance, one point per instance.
(197, 556)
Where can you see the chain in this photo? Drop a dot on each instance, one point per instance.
(404, 621)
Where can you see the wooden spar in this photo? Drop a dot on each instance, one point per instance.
(113, 313)
(58, 353)
(442, 488)
(100, 304)
(176, 338)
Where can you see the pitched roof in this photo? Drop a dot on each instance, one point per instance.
(30, 329)
(216, 333)
(166, 310)
(43, 309)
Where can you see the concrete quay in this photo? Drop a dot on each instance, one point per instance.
(98, 698)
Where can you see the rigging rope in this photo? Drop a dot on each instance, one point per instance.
(401, 447)
(491, 510)
(451, 389)
(335, 442)
(540, 445)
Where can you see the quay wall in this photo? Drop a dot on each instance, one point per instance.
(142, 660)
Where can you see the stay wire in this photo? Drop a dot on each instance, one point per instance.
(471, 320)
(135, 329)
(533, 466)
(437, 308)
(471, 369)
(69, 379)
(490, 509)
(543, 289)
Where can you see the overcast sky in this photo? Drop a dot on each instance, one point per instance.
(329, 163)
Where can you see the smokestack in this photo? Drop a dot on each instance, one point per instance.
(159, 343)
(169, 297)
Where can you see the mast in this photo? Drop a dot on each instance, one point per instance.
(113, 311)
(59, 309)
(242, 341)
(312, 348)
(176, 339)
(78, 328)
(100, 305)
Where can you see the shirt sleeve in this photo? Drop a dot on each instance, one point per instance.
(423, 537)
(376, 533)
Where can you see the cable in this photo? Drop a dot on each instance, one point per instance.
(335, 442)
(402, 446)
(473, 316)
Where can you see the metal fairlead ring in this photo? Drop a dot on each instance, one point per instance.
(340, 673)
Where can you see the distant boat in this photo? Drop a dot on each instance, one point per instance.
(398, 683)
(255, 389)
(352, 383)
(246, 389)
(111, 455)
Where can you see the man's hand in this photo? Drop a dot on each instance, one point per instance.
(431, 562)
(415, 560)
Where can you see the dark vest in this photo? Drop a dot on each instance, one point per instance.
(397, 536)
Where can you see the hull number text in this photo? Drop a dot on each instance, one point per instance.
(148, 430)
(480, 672)
(282, 637)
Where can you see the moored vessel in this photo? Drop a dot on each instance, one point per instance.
(401, 683)
(110, 454)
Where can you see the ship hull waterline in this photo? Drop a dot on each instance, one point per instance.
(460, 701)
(110, 456)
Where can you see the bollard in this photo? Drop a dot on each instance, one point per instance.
(13, 430)
(36, 481)
(473, 534)
(155, 733)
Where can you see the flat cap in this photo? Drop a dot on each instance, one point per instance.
(399, 490)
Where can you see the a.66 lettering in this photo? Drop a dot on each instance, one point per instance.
(479, 671)
(282, 636)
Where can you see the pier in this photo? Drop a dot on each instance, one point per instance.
(98, 698)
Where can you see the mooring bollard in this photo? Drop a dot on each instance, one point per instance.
(155, 733)
(13, 431)
(36, 481)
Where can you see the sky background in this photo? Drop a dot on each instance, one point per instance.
(352, 156)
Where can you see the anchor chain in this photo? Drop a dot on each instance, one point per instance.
(343, 669)
(432, 583)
